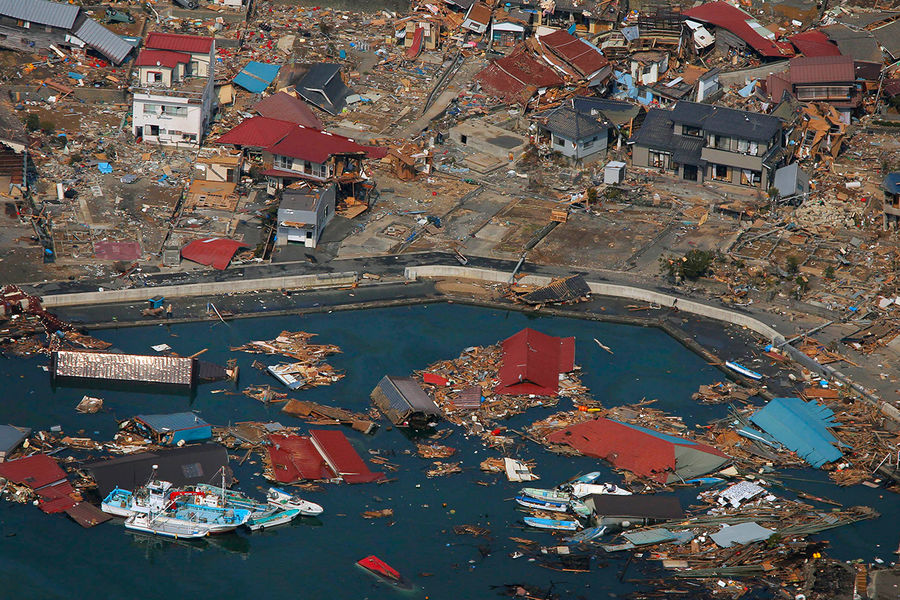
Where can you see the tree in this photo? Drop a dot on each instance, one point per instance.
(793, 264)
(692, 265)
(32, 122)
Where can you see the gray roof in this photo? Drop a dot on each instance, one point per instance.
(323, 87)
(571, 124)
(861, 45)
(864, 19)
(686, 150)
(889, 37)
(726, 121)
(405, 394)
(742, 533)
(42, 12)
(10, 438)
(656, 131)
(617, 111)
(299, 200)
(172, 422)
(102, 40)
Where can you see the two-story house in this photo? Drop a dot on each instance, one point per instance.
(173, 97)
(699, 142)
(830, 79)
(303, 214)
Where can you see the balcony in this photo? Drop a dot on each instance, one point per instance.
(732, 159)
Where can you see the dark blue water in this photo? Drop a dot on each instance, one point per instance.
(49, 556)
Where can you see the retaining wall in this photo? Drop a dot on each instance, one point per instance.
(292, 282)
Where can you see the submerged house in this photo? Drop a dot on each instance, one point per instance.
(403, 401)
(532, 363)
(700, 142)
(303, 214)
(174, 429)
(644, 452)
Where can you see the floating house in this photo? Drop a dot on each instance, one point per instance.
(174, 429)
(405, 403)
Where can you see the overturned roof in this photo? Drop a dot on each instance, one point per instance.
(285, 107)
(532, 363)
(658, 456)
(741, 24)
(180, 466)
(323, 87)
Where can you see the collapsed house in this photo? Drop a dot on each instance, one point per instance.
(532, 363)
(323, 455)
(828, 79)
(738, 32)
(405, 403)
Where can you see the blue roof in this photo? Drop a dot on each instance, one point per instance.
(665, 437)
(892, 183)
(801, 427)
(257, 76)
(173, 422)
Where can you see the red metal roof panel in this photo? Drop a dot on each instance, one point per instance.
(722, 14)
(257, 132)
(87, 515)
(284, 107)
(586, 59)
(161, 58)
(822, 69)
(193, 44)
(295, 457)
(212, 252)
(341, 457)
(35, 471)
(814, 43)
(313, 145)
(532, 362)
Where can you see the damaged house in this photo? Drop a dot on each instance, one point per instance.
(830, 79)
(737, 32)
(577, 136)
(303, 214)
(699, 142)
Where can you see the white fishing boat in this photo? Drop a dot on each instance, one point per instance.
(262, 514)
(738, 368)
(545, 494)
(580, 490)
(166, 527)
(284, 500)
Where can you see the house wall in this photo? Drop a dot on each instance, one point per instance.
(310, 169)
(707, 87)
(35, 36)
(725, 41)
(145, 75)
(585, 150)
(317, 220)
(174, 128)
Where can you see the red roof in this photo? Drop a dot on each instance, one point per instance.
(294, 458)
(643, 451)
(194, 44)
(510, 76)
(586, 59)
(285, 107)
(777, 85)
(314, 145)
(341, 457)
(161, 58)
(722, 14)
(814, 43)
(532, 362)
(212, 252)
(35, 471)
(257, 132)
(822, 69)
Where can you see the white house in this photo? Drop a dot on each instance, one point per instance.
(174, 99)
(647, 67)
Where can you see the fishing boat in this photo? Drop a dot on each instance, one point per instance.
(586, 535)
(384, 571)
(262, 514)
(285, 500)
(556, 525)
(591, 477)
(166, 527)
(272, 518)
(535, 503)
(738, 368)
(516, 470)
(545, 494)
(580, 490)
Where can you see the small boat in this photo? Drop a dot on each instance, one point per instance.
(586, 535)
(580, 508)
(591, 477)
(285, 500)
(704, 481)
(165, 527)
(580, 490)
(262, 514)
(545, 494)
(542, 523)
(738, 368)
(535, 503)
(272, 518)
(384, 571)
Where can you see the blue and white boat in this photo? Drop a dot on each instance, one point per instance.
(738, 368)
(586, 535)
(537, 504)
(286, 501)
(553, 524)
(591, 477)
(165, 527)
(262, 514)
(546, 494)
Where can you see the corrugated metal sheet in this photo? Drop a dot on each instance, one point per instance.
(35, 471)
(43, 12)
(87, 515)
(193, 44)
(532, 362)
(649, 536)
(103, 40)
(257, 132)
(285, 107)
(295, 458)
(571, 288)
(801, 427)
(586, 59)
(123, 367)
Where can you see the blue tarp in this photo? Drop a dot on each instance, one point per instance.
(801, 427)
(257, 76)
(104, 167)
(176, 427)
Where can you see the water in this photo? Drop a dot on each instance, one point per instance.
(50, 556)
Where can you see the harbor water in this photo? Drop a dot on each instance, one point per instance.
(50, 556)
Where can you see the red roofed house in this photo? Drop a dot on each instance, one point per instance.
(173, 99)
(292, 153)
(737, 30)
(532, 363)
(830, 79)
(517, 77)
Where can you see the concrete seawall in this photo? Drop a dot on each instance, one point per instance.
(292, 282)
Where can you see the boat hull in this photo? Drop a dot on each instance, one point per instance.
(552, 524)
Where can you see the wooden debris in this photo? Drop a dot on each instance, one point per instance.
(328, 415)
